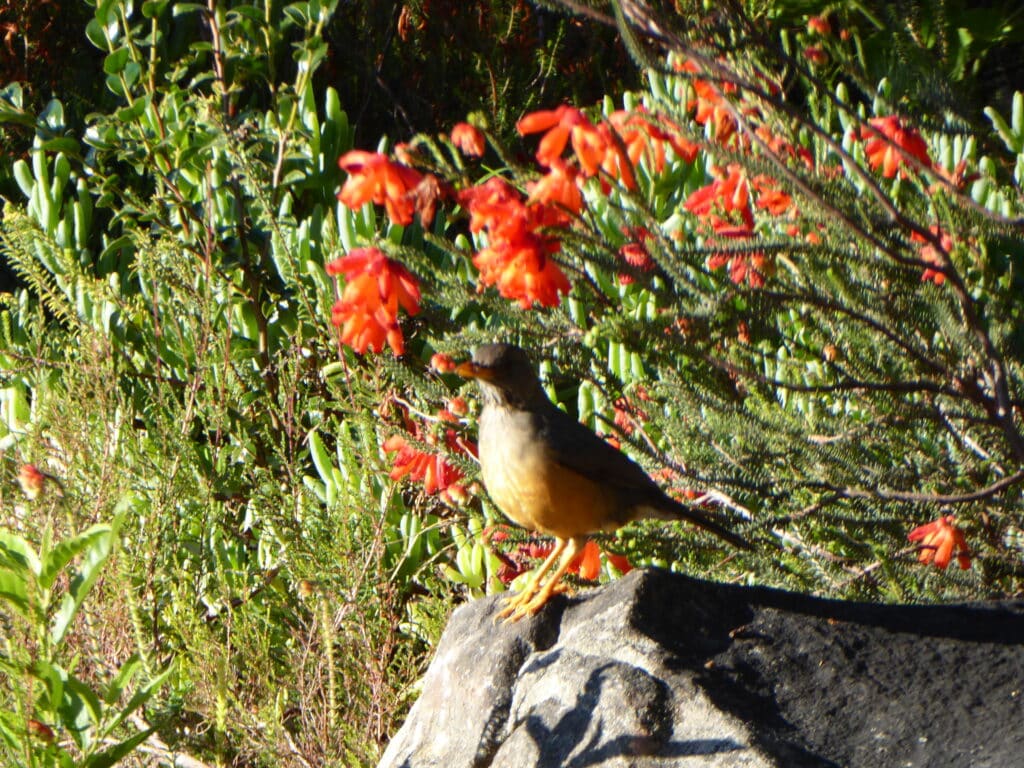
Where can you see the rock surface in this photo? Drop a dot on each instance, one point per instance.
(658, 669)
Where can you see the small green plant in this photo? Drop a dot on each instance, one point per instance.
(53, 716)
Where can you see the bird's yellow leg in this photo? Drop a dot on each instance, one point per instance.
(512, 603)
(530, 604)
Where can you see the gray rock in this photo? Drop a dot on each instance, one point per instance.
(658, 669)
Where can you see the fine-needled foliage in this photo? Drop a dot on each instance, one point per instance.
(239, 487)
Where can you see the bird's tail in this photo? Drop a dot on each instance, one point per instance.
(670, 509)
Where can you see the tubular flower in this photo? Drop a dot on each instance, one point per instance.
(727, 194)
(374, 177)
(31, 480)
(769, 197)
(939, 540)
(438, 475)
(433, 470)
(517, 258)
(375, 288)
(888, 143)
(635, 252)
(709, 103)
(932, 255)
(751, 268)
(559, 124)
(469, 139)
(558, 187)
(646, 136)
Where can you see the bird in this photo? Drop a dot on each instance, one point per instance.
(551, 474)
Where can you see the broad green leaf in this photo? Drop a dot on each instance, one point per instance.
(96, 555)
(54, 561)
(139, 698)
(114, 755)
(14, 590)
(54, 677)
(18, 554)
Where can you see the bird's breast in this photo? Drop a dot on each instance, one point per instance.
(530, 487)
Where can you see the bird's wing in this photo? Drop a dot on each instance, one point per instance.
(575, 447)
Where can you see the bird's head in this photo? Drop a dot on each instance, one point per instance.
(505, 374)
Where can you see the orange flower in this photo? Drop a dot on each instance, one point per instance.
(31, 480)
(558, 187)
(433, 470)
(932, 255)
(559, 125)
(517, 258)
(647, 136)
(751, 268)
(469, 139)
(770, 198)
(442, 363)
(728, 194)
(939, 539)
(375, 288)
(374, 177)
(710, 104)
(635, 252)
(819, 25)
(587, 564)
(889, 143)
(438, 475)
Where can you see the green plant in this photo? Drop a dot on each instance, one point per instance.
(171, 342)
(58, 718)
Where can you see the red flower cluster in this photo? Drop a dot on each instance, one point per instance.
(612, 147)
(434, 470)
(635, 252)
(375, 287)
(932, 255)
(940, 539)
(889, 143)
(469, 139)
(709, 102)
(517, 258)
(642, 136)
(725, 206)
(374, 177)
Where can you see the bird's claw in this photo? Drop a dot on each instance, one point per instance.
(528, 602)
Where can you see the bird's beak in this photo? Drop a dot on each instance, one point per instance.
(470, 370)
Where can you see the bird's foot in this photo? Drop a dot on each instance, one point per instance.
(528, 602)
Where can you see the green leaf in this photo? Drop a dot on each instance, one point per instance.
(53, 677)
(63, 144)
(115, 62)
(321, 459)
(94, 31)
(54, 561)
(23, 175)
(139, 698)
(124, 675)
(116, 753)
(96, 555)
(80, 711)
(14, 590)
(18, 554)
(180, 9)
(151, 9)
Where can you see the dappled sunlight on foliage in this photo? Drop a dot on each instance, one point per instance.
(783, 275)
